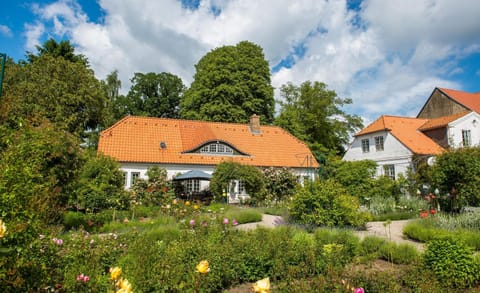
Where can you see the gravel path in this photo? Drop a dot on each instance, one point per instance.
(393, 232)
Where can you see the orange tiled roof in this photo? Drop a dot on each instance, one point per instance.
(137, 139)
(406, 130)
(441, 121)
(469, 100)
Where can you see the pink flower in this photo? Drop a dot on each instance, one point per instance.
(358, 290)
(83, 278)
(225, 221)
(204, 224)
(192, 222)
(59, 241)
(234, 222)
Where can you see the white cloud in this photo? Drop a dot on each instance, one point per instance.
(33, 33)
(388, 63)
(5, 30)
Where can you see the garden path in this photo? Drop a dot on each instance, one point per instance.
(393, 232)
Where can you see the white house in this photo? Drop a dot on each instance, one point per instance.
(449, 119)
(180, 146)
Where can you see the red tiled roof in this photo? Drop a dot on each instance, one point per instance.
(441, 121)
(137, 139)
(469, 100)
(406, 130)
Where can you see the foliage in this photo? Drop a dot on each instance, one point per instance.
(313, 114)
(156, 190)
(151, 94)
(326, 203)
(424, 230)
(398, 253)
(231, 84)
(225, 172)
(244, 216)
(456, 174)
(63, 92)
(280, 183)
(37, 168)
(356, 176)
(63, 49)
(100, 185)
(452, 262)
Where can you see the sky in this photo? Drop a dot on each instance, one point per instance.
(385, 55)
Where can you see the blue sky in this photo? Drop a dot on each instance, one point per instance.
(387, 56)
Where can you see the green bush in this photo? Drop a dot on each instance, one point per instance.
(74, 220)
(225, 172)
(280, 183)
(244, 216)
(326, 203)
(456, 173)
(424, 230)
(394, 216)
(452, 262)
(100, 185)
(398, 253)
(370, 245)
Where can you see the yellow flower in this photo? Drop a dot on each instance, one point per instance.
(175, 201)
(124, 285)
(187, 203)
(115, 273)
(195, 207)
(202, 267)
(262, 286)
(3, 229)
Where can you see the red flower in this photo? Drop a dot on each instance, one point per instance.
(424, 214)
(433, 211)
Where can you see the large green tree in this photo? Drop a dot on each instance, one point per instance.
(230, 84)
(56, 49)
(314, 114)
(151, 94)
(56, 89)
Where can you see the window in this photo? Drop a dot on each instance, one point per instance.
(389, 171)
(192, 185)
(125, 178)
(217, 148)
(241, 187)
(366, 145)
(379, 143)
(466, 138)
(135, 176)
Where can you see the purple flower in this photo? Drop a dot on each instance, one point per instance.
(234, 222)
(225, 221)
(359, 290)
(59, 241)
(192, 222)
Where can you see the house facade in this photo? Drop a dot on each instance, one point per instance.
(449, 119)
(180, 146)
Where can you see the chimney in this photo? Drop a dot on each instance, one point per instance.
(255, 124)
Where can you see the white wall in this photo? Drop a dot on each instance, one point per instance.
(394, 153)
(175, 169)
(470, 122)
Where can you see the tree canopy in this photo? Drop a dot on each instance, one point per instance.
(56, 89)
(314, 114)
(63, 49)
(230, 84)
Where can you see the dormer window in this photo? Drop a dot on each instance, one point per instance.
(217, 148)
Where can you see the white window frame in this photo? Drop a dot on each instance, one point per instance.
(365, 145)
(379, 143)
(134, 176)
(192, 185)
(466, 137)
(389, 171)
(125, 178)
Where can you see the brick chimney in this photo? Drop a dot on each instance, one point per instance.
(255, 124)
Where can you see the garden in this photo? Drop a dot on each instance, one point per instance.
(147, 240)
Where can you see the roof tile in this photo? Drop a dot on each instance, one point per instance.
(137, 139)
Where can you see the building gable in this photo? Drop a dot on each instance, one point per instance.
(440, 104)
